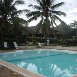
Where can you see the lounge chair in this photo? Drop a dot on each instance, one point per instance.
(38, 45)
(15, 44)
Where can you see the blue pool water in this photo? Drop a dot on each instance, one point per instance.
(46, 62)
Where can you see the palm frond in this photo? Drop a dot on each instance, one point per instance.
(40, 2)
(25, 10)
(30, 5)
(58, 13)
(54, 21)
(31, 19)
(15, 12)
(57, 18)
(43, 2)
(34, 17)
(35, 7)
(18, 2)
(57, 5)
(20, 11)
(33, 13)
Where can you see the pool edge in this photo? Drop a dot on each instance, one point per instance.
(19, 70)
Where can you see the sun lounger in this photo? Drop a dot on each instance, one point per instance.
(38, 45)
(15, 44)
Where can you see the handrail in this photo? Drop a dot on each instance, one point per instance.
(19, 70)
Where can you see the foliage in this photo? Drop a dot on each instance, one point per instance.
(11, 25)
(74, 24)
(45, 9)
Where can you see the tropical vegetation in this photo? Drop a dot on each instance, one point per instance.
(46, 11)
(10, 23)
(13, 28)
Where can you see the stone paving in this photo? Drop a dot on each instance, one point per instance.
(5, 72)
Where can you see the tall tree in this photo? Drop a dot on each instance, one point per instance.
(45, 9)
(18, 24)
(8, 11)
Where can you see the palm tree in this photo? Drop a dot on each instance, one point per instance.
(7, 13)
(45, 9)
(8, 9)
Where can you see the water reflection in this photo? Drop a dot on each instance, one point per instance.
(22, 64)
(49, 69)
(32, 67)
(57, 72)
(50, 66)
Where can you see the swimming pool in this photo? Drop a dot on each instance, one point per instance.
(51, 62)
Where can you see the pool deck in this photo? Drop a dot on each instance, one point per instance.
(5, 72)
(72, 48)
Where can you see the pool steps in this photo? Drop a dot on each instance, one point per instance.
(19, 70)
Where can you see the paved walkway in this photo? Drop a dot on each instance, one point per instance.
(74, 48)
(5, 72)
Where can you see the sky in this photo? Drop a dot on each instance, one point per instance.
(70, 8)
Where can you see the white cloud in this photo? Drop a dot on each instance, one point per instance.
(70, 8)
(34, 23)
(74, 10)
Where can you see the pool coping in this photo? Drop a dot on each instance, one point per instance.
(63, 50)
(19, 70)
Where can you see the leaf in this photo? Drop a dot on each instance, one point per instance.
(57, 5)
(58, 13)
